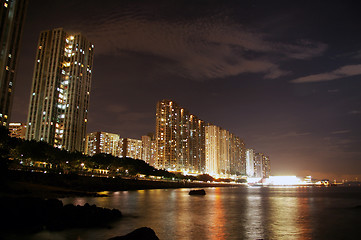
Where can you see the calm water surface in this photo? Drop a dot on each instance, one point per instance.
(229, 213)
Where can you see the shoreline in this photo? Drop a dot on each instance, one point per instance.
(50, 185)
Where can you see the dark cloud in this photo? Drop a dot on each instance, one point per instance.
(198, 48)
(340, 132)
(354, 112)
(342, 72)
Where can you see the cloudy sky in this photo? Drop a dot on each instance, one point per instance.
(285, 76)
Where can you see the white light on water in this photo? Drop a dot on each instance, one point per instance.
(283, 180)
(254, 180)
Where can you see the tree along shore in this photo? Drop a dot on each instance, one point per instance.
(39, 184)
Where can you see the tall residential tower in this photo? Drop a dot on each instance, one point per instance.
(187, 144)
(12, 15)
(180, 139)
(59, 100)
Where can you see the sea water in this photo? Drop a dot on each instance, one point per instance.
(227, 213)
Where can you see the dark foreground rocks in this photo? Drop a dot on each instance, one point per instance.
(143, 233)
(36, 214)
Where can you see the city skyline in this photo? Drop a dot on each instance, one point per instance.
(255, 68)
(184, 143)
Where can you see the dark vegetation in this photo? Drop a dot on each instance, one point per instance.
(31, 155)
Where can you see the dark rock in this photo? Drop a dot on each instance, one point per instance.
(197, 192)
(36, 214)
(143, 233)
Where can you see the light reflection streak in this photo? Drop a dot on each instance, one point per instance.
(253, 223)
(304, 225)
(285, 214)
(217, 220)
(182, 216)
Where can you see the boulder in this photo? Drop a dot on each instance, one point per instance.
(143, 233)
(197, 192)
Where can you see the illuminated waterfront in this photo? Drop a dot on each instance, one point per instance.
(229, 213)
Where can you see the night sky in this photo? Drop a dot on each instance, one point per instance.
(285, 76)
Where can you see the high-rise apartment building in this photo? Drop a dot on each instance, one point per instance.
(237, 156)
(180, 139)
(187, 144)
(212, 149)
(103, 142)
(146, 148)
(152, 149)
(262, 165)
(59, 100)
(266, 167)
(225, 152)
(131, 148)
(17, 130)
(224, 162)
(12, 16)
(258, 164)
(113, 144)
(250, 167)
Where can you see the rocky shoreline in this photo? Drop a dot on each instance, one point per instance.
(31, 215)
(29, 202)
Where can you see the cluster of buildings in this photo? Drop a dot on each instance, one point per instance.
(113, 144)
(59, 101)
(184, 143)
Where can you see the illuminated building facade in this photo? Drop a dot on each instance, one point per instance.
(258, 165)
(17, 130)
(152, 149)
(131, 148)
(225, 152)
(232, 160)
(180, 139)
(12, 16)
(212, 150)
(113, 144)
(146, 148)
(102, 142)
(237, 156)
(187, 144)
(266, 167)
(59, 98)
(250, 166)
(262, 165)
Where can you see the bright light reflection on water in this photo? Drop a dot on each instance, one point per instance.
(253, 223)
